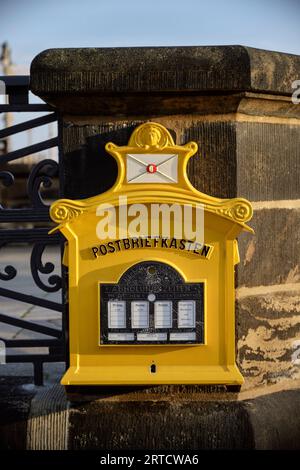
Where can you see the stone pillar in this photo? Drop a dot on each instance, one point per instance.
(235, 102)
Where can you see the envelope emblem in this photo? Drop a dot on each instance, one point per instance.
(152, 168)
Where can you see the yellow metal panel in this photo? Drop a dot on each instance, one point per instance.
(92, 261)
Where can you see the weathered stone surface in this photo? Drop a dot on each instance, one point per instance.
(165, 104)
(268, 332)
(89, 170)
(268, 160)
(15, 402)
(259, 161)
(168, 419)
(47, 426)
(233, 159)
(153, 69)
(166, 80)
(272, 254)
(275, 421)
(165, 425)
(213, 169)
(266, 422)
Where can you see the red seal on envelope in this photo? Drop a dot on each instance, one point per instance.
(151, 168)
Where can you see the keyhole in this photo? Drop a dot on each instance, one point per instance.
(153, 368)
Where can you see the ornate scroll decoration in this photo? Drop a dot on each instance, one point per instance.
(36, 266)
(9, 271)
(240, 210)
(7, 179)
(63, 211)
(147, 139)
(151, 136)
(41, 174)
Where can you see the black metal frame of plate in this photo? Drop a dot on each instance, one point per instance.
(166, 284)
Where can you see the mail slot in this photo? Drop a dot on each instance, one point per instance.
(151, 272)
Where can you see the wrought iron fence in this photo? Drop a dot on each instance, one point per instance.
(29, 225)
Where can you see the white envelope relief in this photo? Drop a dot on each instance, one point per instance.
(152, 168)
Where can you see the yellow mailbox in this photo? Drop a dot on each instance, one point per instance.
(151, 272)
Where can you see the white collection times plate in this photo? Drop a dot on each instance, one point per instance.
(140, 314)
(152, 336)
(120, 336)
(116, 314)
(163, 314)
(186, 314)
(183, 336)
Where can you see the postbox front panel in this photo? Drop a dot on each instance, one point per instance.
(151, 272)
(151, 304)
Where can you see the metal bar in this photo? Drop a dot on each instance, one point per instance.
(32, 343)
(15, 358)
(46, 330)
(38, 373)
(29, 235)
(37, 360)
(24, 108)
(24, 215)
(16, 154)
(24, 126)
(30, 299)
(57, 350)
(64, 269)
(15, 80)
(18, 96)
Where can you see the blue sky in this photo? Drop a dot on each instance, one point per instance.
(31, 26)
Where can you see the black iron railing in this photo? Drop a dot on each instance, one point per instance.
(30, 225)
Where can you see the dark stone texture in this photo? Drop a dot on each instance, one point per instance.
(213, 169)
(146, 105)
(272, 254)
(153, 81)
(167, 419)
(163, 425)
(258, 161)
(268, 161)
(275, 420)
(88, 169)
(14, 411)
(162, 69)
(234, 159)
(266, 422)
(80, 394)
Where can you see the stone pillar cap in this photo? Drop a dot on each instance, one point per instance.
(163, 69)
